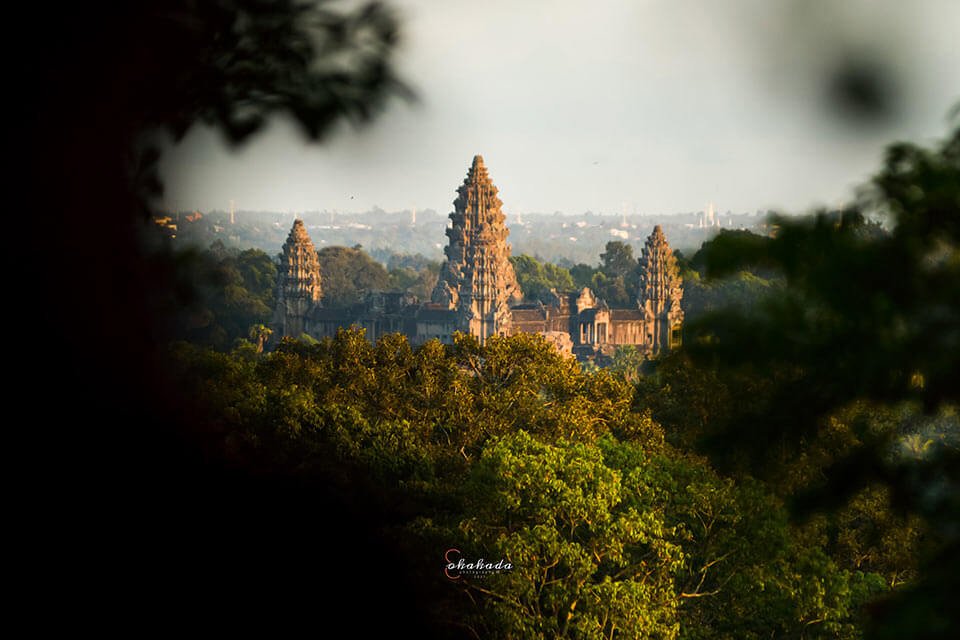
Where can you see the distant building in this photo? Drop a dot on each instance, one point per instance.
(477, 292)
(708, 219)
(167, 225)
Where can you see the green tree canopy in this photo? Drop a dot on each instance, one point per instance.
(617, 260)
(582, 275)
(224, 295)
(509, 450)
(347, 273)
(587, 566)
(537, 279)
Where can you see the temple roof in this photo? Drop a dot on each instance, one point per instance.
(528, 315)
(344, 316)
(625, 314)
(436, 316)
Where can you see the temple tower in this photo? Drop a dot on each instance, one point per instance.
(298, 283)
(477, 279)
(660, 293)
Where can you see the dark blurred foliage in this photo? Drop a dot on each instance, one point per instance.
(741, 289)
(229, 292)
(233, 64)
(126, 519)
(246, 60)
(862, 90)
(866, 316)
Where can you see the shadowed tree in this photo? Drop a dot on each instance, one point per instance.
(617, 260)
(865, 316)
(97, 80)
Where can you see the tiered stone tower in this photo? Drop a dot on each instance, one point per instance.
(477, 279)
(298, 283)
(660, 293)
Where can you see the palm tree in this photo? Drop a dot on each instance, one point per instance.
(260, 333)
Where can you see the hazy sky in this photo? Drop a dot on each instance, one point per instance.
(654, 106)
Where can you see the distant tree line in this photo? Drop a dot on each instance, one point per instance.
(226, 292)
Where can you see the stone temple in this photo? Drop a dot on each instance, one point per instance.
(477, 292)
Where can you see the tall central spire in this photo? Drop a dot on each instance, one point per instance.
(477, 279)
